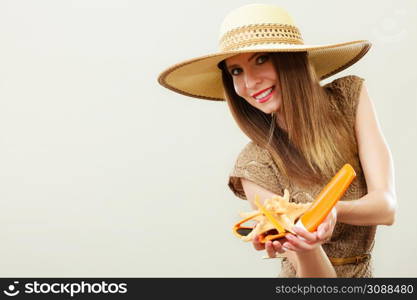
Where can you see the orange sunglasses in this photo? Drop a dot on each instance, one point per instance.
(312, 218)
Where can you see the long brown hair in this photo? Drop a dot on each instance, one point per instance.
(317, 142)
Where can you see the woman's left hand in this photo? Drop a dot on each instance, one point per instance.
(305, 241)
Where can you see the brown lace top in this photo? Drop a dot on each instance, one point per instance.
(255, 164)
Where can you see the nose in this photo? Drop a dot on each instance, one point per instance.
(251, 79)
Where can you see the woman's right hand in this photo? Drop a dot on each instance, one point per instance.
(303, 240)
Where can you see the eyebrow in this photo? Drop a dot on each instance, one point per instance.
(249, 59)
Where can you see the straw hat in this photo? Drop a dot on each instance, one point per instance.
(256, 28)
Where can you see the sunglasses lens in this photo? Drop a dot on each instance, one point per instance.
(244, 231)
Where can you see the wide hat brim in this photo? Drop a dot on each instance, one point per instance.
(201, 78)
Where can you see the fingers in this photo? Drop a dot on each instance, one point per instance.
(305, 240)
(306, 235)
(278, 247)
(331, 218)
(334, 213)
(270, 249)
(273, 247)
(323, 231)
(297, 244)
(257, 243)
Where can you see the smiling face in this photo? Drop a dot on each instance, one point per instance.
(256, 80)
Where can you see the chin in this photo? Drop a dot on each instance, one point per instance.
(272, 109)
(268, 112)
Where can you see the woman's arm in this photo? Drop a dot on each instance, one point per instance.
(310, 258)
(314, 263)
(379, 205)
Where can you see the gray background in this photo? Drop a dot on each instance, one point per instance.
(105, 173)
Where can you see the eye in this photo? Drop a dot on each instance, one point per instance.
(262, 58)
(235, 71)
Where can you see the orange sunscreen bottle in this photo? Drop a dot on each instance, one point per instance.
(327, 199)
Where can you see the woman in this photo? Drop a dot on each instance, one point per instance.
(301, 134)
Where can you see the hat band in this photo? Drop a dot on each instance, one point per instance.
(260, 34)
